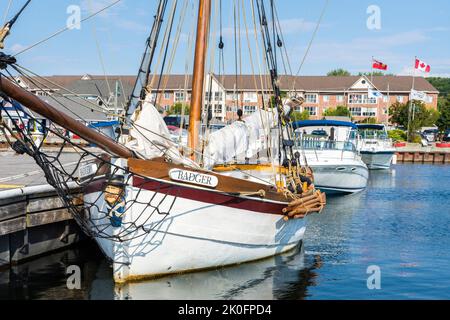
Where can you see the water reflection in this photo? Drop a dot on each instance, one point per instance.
(281, 277)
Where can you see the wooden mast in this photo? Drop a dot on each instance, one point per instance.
(39, 106)
(198, 80)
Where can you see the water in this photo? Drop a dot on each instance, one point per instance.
(401, 224)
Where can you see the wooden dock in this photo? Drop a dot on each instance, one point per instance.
(414, 153)
(34, 221)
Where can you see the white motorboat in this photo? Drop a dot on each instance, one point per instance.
(326, 146)
(377, 150)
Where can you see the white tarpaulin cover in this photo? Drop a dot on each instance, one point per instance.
(150, 137)
(242, 139)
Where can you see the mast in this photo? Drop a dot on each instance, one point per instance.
(39, 106)
(198, 80)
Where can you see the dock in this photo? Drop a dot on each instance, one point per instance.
(34, 221)
(414, 153)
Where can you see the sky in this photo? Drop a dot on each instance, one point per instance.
(113, 42)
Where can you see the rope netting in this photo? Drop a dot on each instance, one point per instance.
(93, 188)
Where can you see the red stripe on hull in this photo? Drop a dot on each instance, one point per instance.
(209, 196)
(205, 196)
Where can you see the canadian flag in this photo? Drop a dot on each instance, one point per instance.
(422, 66)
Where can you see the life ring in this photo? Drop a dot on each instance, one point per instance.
(400, 144)
(443, 145)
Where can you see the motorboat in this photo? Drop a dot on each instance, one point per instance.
(377, 150)
(327, 147)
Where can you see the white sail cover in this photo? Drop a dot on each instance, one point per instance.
(240, 140)
(150, 137)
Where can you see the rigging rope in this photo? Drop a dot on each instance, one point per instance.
(57, 33)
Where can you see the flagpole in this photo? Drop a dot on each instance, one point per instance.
(388, 102)
(371, 79)
(411, 105)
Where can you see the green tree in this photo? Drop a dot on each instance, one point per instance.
(441, 84)
(338, 72)
(423, 117)
(340, 111)
(370, 121)
(177, 109)
(299, 116)
(443, 122)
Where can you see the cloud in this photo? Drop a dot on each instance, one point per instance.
(17, 47)
(92, 6)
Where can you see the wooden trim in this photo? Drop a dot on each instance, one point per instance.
(160, 170)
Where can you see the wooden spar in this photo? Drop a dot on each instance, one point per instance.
(198, 80)
(44, 109)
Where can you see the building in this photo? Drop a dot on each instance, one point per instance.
(228, 93)
(320, 92)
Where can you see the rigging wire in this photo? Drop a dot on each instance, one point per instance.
(322, 14)
(99, 51)
(57, 33)
(5, 15)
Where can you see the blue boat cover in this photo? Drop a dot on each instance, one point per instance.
(370, 127)
(323, 123)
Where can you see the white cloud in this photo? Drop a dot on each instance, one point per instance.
(17, 47)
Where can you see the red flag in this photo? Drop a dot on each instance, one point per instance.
(422, 66)
(379, 65)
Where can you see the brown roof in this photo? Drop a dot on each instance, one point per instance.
(248, 82)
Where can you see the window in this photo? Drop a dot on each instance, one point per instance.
(232, 96)
(429, 99)
(356, 111)
(179, 96)
(249, 109)
(298, 109)
(340, 98)
(166, 108)
(167, 95)
(218, 96)
(361, 99)
(326, 98)
(250, 97)
(369, 112)
(311, 98)
(400, 99)
(312, 110)
(218, 109)
(385, 99)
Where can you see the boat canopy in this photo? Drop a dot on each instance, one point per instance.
(323, 123)
(371, 126)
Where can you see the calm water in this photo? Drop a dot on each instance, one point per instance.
(401, 224)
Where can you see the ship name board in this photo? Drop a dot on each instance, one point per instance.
(192, 177)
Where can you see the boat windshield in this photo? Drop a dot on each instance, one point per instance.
(311, 143)
(373, 134)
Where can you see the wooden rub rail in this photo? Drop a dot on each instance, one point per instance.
(34, 221)
(423, 157)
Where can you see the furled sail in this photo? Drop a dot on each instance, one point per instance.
(240, 140)
(150, 138)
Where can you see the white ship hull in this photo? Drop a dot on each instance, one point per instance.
(380, 160)
(198, 233)
(337, 171)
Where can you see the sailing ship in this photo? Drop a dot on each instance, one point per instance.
(152, 208)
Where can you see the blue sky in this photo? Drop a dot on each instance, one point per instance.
(408, 28)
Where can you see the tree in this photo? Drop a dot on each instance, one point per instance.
(423, 117)
(370, 121)
(441, 84)
(299, 116)
(338, 72)
(177, 109)
(340, 111)
(443, 122)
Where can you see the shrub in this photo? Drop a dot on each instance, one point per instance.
(397, 135)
